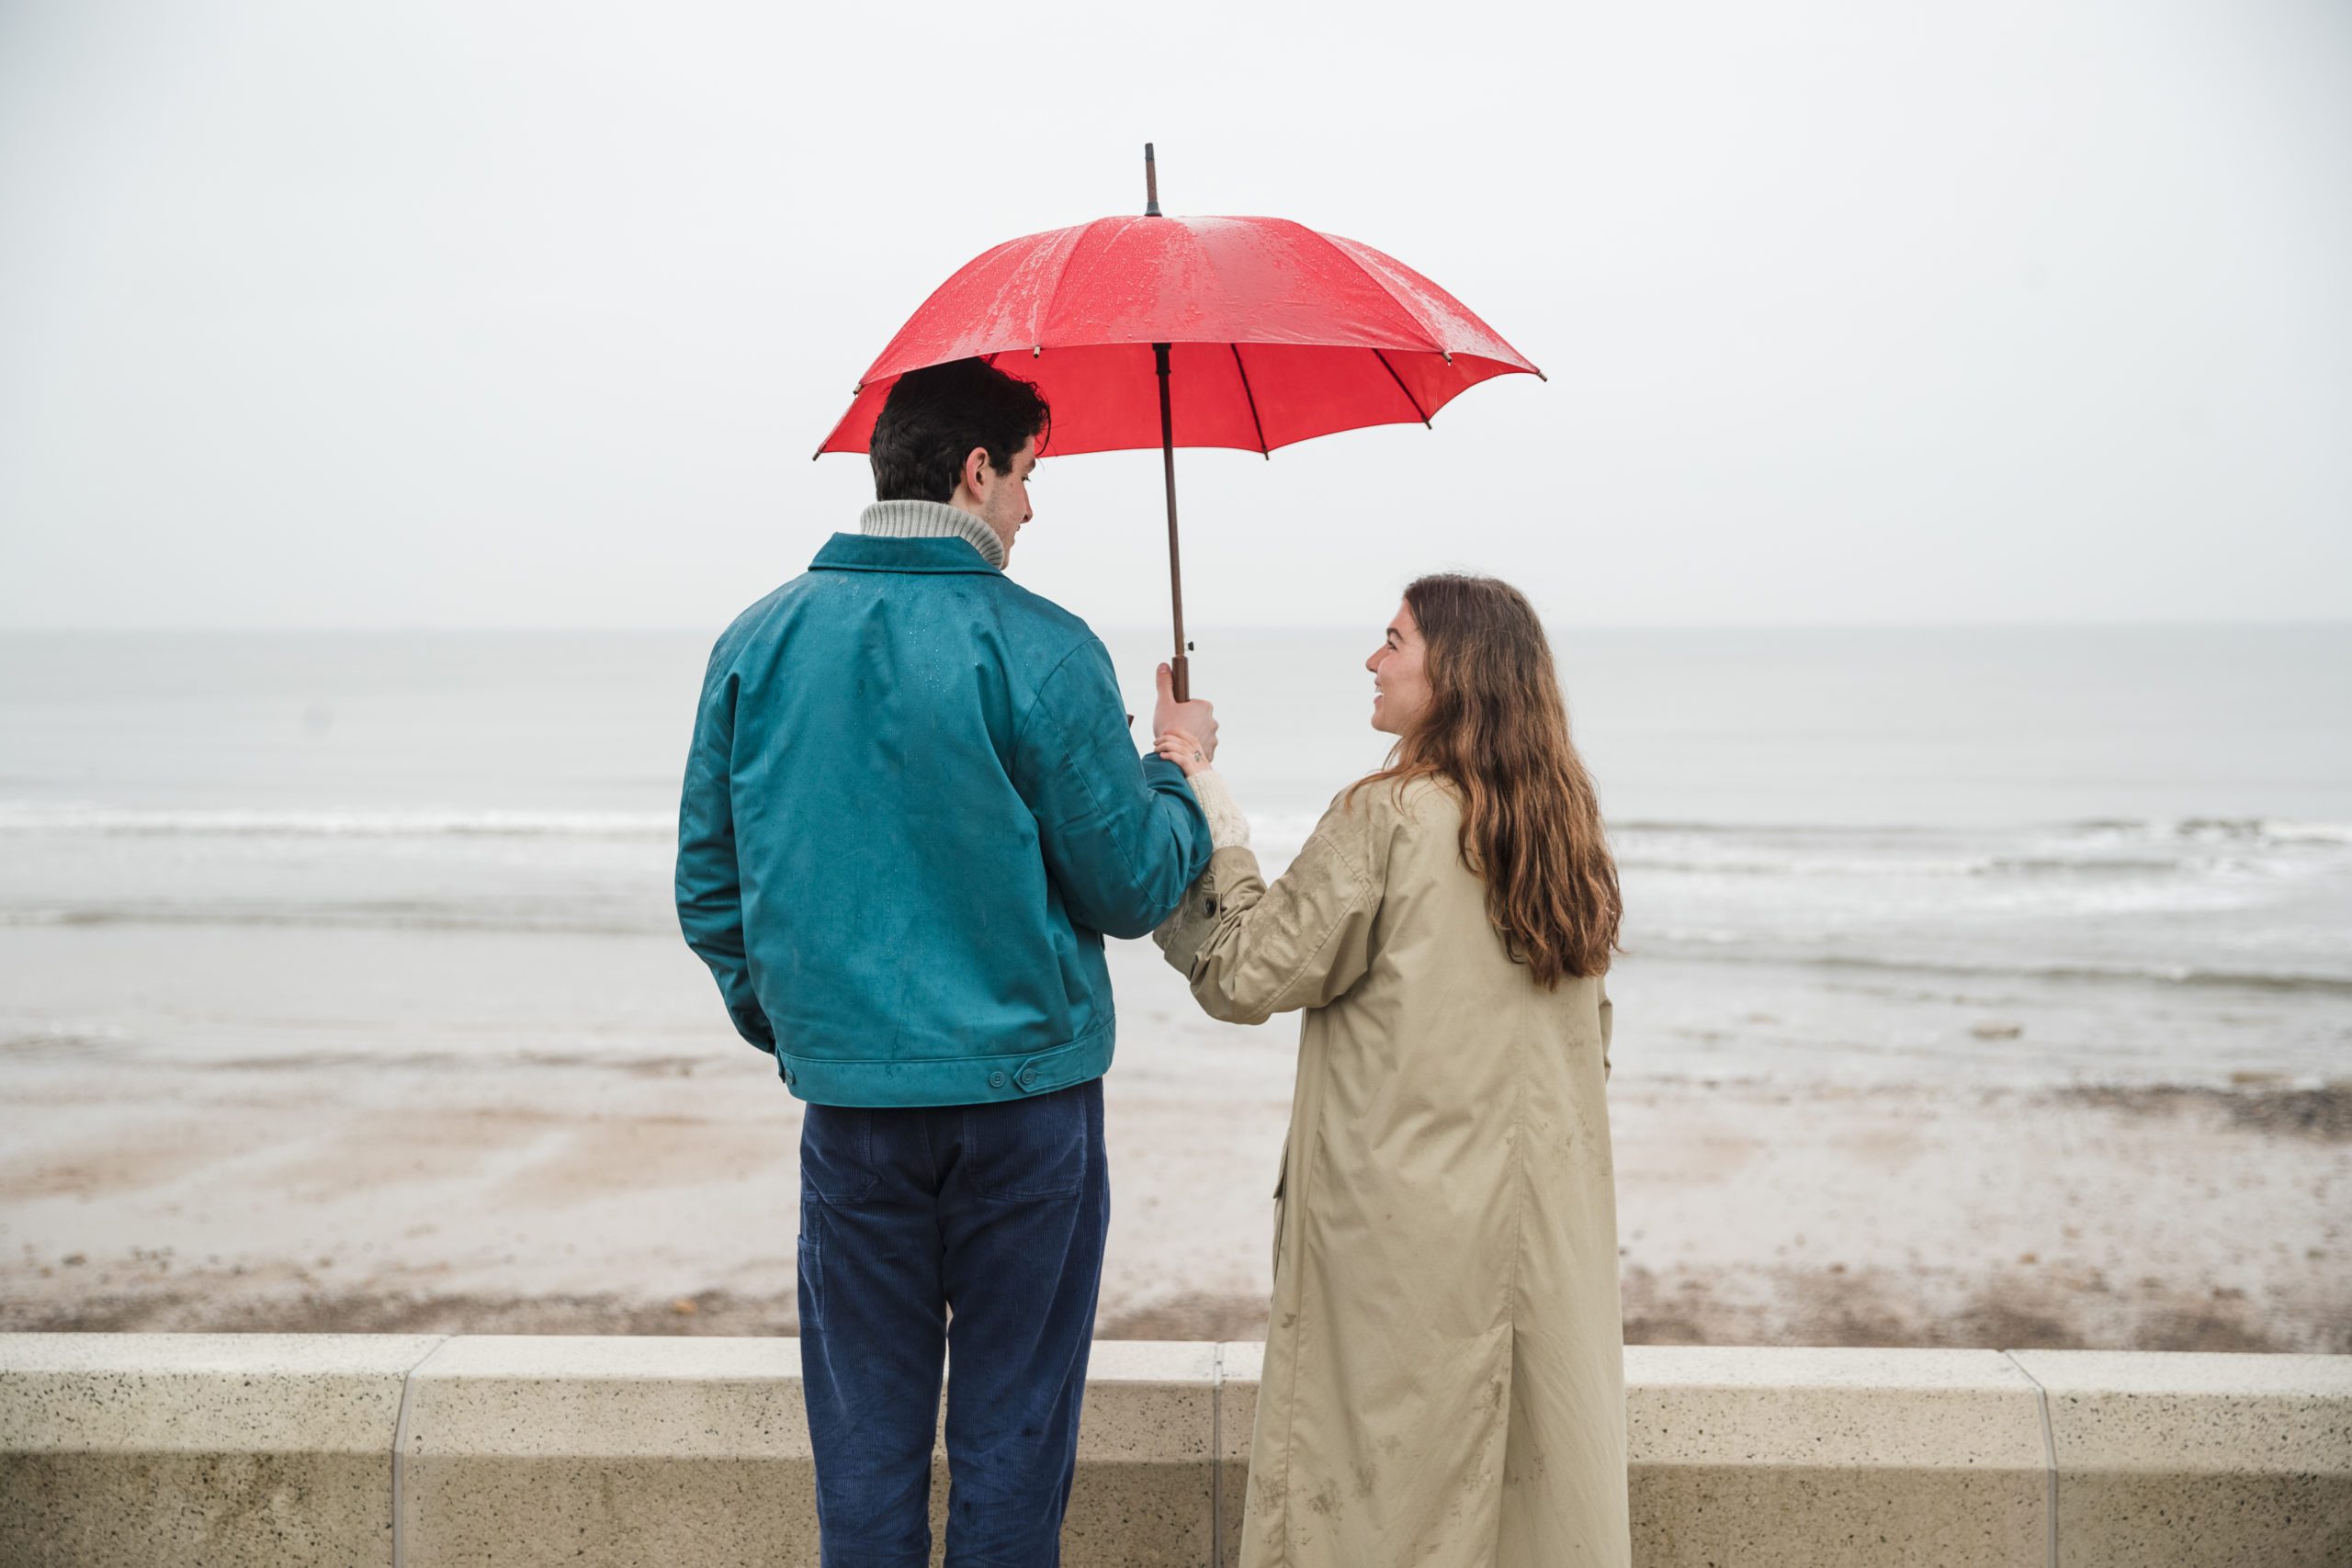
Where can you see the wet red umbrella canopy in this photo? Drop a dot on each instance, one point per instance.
(1247, 332)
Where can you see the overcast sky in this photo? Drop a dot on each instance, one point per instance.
(456, 313)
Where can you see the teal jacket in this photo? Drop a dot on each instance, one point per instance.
(912, 811)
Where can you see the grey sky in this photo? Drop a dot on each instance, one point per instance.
(453, 313)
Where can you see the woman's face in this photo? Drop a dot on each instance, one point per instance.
(1399, 683)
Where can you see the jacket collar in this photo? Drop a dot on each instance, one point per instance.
(866, 552)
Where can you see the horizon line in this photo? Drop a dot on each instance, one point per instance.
(1125, 628)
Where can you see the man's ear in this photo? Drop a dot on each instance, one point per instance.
(974, 462)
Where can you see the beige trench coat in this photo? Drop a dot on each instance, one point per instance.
(1445, 1377)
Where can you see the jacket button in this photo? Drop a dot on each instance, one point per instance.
(1028, 1077)
(1208, 906)
(996, 1080)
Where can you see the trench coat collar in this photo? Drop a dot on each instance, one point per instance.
(866, 552)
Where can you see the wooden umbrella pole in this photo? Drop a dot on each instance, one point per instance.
(1179, 667)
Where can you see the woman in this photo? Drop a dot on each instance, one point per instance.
(1444, 1379)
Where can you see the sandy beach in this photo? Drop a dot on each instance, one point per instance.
(554, 1192)
(384, 1021)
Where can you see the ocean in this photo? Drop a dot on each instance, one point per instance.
(1969, 855)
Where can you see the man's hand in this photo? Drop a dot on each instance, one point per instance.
(1195, 720)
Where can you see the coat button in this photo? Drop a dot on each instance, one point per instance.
(996, 1080)
(1028, 1077)
(1208, 906)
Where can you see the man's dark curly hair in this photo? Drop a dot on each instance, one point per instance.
(935, 417)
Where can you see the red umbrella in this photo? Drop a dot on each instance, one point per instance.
(1248, 333)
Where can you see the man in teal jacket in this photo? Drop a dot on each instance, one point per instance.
(912, 811)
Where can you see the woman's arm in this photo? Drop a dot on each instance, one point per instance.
(1252, 951)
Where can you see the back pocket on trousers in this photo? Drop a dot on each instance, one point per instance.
(837, 1154)
(1045, 1148)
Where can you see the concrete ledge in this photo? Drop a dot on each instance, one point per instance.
(266, 1449)
(1874, 1458)
(1238, 1366)
(1145, 1495)
(2200, 1459)
(609, 1450)
(199, 1447)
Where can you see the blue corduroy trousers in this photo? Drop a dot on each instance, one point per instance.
(966, 1234)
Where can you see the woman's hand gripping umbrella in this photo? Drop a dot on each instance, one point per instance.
(1245, 333)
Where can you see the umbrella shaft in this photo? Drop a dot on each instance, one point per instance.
(1180, 668)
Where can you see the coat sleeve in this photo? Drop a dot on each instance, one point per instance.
(1252, 951)
(709, 887)
(1120, 834)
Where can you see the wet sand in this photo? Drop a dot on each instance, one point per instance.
(659, 1195)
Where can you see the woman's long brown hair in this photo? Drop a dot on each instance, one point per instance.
(1497, 730)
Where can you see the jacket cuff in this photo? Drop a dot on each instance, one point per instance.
(1183, 934)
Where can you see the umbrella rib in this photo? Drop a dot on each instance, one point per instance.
(1412, 313)
(1380, 282)
(1038, 324)
(1260, 424)
(1382, 356)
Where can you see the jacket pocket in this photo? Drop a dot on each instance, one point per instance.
(1282, 1181)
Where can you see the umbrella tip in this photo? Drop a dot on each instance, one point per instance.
(1151, 183)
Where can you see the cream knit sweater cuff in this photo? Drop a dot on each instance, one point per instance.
(1228, 828)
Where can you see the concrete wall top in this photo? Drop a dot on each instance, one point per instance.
(1160, 1402)
(1923, 1372)
(1845, 1408)
(138, 1449)
(605, 1357)
(2218, 1460)
(2247, 1376)
(2116, 1410)
(203, 1393)
(122, 1448)
(575, 1395)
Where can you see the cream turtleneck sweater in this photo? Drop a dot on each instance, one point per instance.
(931, 520)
